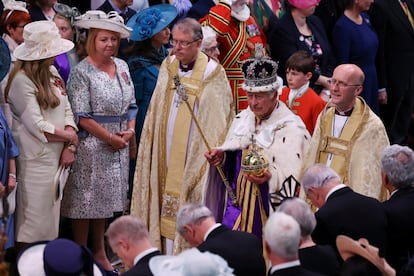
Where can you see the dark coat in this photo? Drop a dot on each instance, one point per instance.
(353, 215)
(142, 268)
(200, 9)
(400, 233)
(242, 251)
(395, 61)
(294, 271)
(286, 39)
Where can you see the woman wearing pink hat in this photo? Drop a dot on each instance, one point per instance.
(297, 30)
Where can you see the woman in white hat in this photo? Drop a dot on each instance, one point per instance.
(43, 127)
(150, 32)
(102, 96)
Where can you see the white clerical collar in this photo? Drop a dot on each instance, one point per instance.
(284, 265)
(143, 254)
(211, 230)
(393, 192)
(297, 93)
(334, 189)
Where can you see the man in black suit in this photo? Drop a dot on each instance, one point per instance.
(397, 163)
(341, 210)
(129, 239)
(395, 59)
(282, 237)
(242, 251)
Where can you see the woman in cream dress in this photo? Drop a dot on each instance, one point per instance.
(44, 129)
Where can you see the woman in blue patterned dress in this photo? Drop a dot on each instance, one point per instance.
(102, 96)
(355, 41)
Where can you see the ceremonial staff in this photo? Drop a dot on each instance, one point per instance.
(180, 89)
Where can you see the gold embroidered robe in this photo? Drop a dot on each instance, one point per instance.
(213, 100)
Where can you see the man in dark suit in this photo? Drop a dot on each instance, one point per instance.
(282, 237)
(395, 59)
(397, 163)
(129, 239)
(242, 251)
(341, 210)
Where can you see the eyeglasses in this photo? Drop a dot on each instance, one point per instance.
(183, 44)
(341, 84)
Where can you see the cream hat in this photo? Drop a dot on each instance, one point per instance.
(190, 262)
(348, 247)
(99, 20)
(41, 40)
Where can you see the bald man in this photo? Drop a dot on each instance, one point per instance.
(348, 136)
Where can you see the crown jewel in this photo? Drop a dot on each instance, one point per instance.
(253, 162)
(260, 73)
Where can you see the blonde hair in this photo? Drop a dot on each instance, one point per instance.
(90, 42)
(38, 71)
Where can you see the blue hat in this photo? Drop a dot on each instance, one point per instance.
(148, 22)
(57, 257)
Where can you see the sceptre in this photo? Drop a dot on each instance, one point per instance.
(180, 89)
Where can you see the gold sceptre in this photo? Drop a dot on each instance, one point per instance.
(180, 89)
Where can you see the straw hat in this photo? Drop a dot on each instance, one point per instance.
(348, 247)
(99, 20)
(148, 22)
(57, 257)
(41, 40)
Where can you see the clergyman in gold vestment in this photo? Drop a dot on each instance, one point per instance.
(348, 136)
(170, 166)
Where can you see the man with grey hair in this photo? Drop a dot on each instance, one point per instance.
(169, 169)
(128, 238)
(282, 237)
(314, 257)
(242, 251)
(397, 164)
(341, 210)
(267, 126)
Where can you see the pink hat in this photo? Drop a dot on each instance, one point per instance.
(303, 4)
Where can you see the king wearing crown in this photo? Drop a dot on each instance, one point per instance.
(263, 149)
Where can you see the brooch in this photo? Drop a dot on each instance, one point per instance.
(59, 84)
(126, 78)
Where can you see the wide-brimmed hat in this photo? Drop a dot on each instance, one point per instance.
(303, 4)
(99, 20)
(191, 262)
(148, 22)
(260, 73)
(57, 257)
(348, 247)
(41, 40)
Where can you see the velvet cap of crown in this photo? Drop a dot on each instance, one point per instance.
(260, 75)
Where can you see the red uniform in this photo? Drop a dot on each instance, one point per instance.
(237, 40)
(307, 107)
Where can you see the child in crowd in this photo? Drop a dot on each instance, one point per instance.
(298, 96)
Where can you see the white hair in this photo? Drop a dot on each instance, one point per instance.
(282, 234)
(209, 36)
